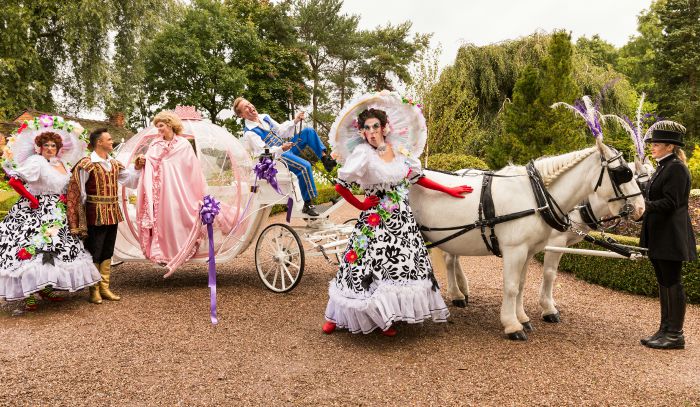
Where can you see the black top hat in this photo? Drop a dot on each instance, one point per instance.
(666, 136)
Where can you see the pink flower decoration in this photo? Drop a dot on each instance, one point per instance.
(22, 127)
(350, 256)
(46, 120)
(373, 219)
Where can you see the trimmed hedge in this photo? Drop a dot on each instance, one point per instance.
(7, 199)
(325, 193)
(454, 162)
(636, 277)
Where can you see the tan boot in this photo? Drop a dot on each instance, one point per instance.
(95, 297)
(105, 269)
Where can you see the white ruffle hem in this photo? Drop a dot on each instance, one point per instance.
(389, 303)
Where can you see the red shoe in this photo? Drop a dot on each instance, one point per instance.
(51, 295)
(328, 327)
(389, 332)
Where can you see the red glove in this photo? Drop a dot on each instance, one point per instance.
(18, 186)
(454, 191)
(368, 203)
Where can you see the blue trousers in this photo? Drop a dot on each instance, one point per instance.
(299, 166)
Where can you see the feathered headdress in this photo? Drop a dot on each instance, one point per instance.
(635, 129)
(585, 108)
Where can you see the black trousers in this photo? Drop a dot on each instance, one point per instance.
(100, 242)
(668, 272)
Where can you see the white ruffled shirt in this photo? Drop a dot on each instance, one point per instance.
(366, 168)
(40, 177)
(255, 145)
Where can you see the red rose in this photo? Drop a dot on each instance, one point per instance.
(373, 219)
(63, 198)
(23, 254)
(22, 127)
(350, 256)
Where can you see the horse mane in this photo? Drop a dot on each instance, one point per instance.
(551, 168)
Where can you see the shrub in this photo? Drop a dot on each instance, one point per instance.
(7, 199)
(694, 167)
(325, 194)
(454, 162)
(635, 277)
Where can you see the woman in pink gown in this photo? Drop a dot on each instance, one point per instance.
(169, 192)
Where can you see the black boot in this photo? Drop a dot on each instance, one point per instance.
(328, 163)
(673, 337)
(309, 209)
(663, 325)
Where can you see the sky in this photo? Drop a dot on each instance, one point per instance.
(488, 21)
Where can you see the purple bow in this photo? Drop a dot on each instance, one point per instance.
(210, 208)
(265, 169)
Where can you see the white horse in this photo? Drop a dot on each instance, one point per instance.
(569, 178)
(582, 216)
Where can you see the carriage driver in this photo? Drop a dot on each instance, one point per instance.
(261, 131)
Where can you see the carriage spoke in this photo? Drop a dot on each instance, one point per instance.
(282, 269)
(289, 263)
(286, 270)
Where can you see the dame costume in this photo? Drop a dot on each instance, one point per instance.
(37, 250)
(94, 211)
(168, 200)
(385, 275)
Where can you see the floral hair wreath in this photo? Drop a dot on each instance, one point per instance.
(21, 144)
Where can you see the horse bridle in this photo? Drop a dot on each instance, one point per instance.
(619, 175)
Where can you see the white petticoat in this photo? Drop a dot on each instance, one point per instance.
(32, 276)
(389, 303)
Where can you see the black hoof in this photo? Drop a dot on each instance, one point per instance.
(552, 318)
(527, 327)
(460, 303)
(517, 336)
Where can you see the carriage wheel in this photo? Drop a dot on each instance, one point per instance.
(279, 258)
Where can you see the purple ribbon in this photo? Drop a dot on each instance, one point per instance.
(210, 208)
(265, 169)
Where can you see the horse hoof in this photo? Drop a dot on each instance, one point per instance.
(552, 318)
(460, 303)
(527, 327)
(517, 336)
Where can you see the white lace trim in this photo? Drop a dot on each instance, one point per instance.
(366, 168)
(40, 178)
(389, 303)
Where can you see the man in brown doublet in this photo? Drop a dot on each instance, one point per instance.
(93, 205)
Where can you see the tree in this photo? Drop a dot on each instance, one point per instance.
(201, 59)
(386, 52)
(677, 64)
(598, 51)
(275, 80)
(324, 33)
(531, 127)
(58, 55)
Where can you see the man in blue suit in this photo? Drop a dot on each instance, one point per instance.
(260, 131)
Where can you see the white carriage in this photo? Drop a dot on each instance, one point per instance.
(228, 170)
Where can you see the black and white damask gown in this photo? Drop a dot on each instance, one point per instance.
(385, 274)
(36, 247)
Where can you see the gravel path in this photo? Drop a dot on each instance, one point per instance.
(157, 347)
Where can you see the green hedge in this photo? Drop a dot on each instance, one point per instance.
(325, 193)
(454, 162)
(635, 277)
(7, 199)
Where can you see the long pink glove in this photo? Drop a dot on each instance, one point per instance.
(454, 191)
(18, 186)
(368, 203)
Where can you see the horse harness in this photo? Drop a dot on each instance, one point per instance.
(547, 207)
